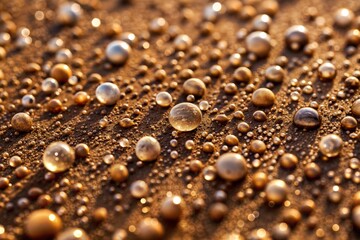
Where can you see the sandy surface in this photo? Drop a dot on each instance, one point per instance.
(81, 124)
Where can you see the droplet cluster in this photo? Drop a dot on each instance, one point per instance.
(179, 119)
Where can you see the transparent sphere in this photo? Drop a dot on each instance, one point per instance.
(235, 59)
(158, 25)
(107, 93)
(209, 173)
(281, 231)
(63, 55)
(171, 208)
(147, 149)
(327, 71)
(204, 105)
(109, 159)
(58, 157)
(73, 234)
(275, 73)
(28, 101)
(296, 37)
(231, 166)
(22, 122)
(185, 117)
(331, 145)
(194, 86)
(258, 42)
(49, 85)
(22, 42)
(276, 191)
(343, 17)
(163, 99)
(182, 42)
(54, 44)
(212, 11)
(263, 97)
(355, 108)
(129, 37)
(5, 38)
(261, 23)
(69, 13)
(117, 52)
(15, 161)
(307, 117)
(139, 189)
